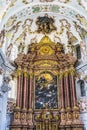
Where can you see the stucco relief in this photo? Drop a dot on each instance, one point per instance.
(10, 105)
(2, 37)
(45, 24)
(83, 3)
(83, 105)
(83, 50)
(59, 30)
(46, 0)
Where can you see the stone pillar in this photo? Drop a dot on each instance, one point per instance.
(67, 101)
(24, 100)
(30, 109)
(62, 106)
(16, 124)
(76, 120)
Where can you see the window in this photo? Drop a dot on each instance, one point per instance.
(78, 52)
(82, 88)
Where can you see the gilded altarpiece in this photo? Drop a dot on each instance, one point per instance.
(46, 95)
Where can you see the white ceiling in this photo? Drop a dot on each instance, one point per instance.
(18, 19)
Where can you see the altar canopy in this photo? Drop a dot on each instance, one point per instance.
(46, 95)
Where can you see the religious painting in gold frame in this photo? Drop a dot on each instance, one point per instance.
(46, 91)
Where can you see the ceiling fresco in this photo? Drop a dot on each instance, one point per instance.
(19, 26)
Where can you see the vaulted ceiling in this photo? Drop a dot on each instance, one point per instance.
(18, 23)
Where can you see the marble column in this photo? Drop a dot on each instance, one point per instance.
(62, 123)
(19, 81)
(67, 99)
(24, 100)
(31, 87)
(30, 109)
(16, 124)
(76, 120)
(72, 81)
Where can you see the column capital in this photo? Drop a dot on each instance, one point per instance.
(31, 73)
(60, 74)
(19, 72)
(66, 72)
(72, 71)
(25, 72)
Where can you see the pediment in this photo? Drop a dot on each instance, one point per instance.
(46, 54)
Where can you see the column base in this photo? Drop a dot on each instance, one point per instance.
(24, 117)
(15, 127)
(16, 120)
(63, 117)
(31, 127)
(62, 127)
(68, 127)
(77, 127)
(24, 128)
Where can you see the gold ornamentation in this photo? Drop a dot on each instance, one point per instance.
(17, 108)
(31, 75)
(19, 72)
(37, 117)
(28, 117)
(16, 115)
(25, 73)
(72, 71)
(46, 50)
(76, 108)
(68, 108)
(66, 73)
(41, 62)
(69, 115)
(63, 116)
(46, 40)
(76, 115)
(47, 76)
(60, 74)
(56, 117)
(45, 65)
(23, 116)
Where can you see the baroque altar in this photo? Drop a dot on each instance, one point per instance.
(46, 94)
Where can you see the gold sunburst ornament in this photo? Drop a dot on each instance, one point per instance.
(46, 50)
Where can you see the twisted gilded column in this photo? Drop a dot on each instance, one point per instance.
(67, 99)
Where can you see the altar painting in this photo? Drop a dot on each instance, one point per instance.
(46, 93)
